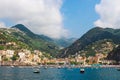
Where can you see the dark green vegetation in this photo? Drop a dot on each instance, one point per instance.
(114, 54)
(102, 46)
(34, 41)
(93, 38)
(10, 41)
(19, 37)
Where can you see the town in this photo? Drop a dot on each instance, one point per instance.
(30, 58)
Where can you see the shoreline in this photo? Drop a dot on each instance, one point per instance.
(63, 66)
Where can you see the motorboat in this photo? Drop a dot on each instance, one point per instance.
(36, 71)
(82, 70)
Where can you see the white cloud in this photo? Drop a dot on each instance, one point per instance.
(2, 25)
(109, 11)
(40, 16)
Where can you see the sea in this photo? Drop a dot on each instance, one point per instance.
(27, 73)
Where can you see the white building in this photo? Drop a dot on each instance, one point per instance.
(9, 53)
(21, 56)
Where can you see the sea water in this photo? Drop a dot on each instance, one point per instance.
(27, 73)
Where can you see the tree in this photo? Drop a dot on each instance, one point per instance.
(14, 57)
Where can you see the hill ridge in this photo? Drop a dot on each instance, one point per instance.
(93, 35)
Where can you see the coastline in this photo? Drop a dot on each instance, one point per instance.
(64, 66)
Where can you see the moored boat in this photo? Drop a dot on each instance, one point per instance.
(82, 70)
(36, 71)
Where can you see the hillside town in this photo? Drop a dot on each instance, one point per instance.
(27, 58)
(17, 48)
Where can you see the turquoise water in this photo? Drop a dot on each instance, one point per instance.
(26, 73)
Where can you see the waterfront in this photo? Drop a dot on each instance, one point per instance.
(26, 73)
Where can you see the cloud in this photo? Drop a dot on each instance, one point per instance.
(109, 11)
(2, 25)
(40, 16)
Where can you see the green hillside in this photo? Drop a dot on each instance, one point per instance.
(89, 38)
(114, 54)
(24, 38)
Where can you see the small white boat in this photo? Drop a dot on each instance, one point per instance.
(12, 66)
(82, 70)
(59, 67)
(36, 71)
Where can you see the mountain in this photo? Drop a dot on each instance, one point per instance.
(93, 35)
(24, 38)
(64, 42)
(21, 35)
(114, 54)
(21, 27)
(24, 29)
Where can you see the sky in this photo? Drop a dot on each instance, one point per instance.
(79, 16)
(60, 18)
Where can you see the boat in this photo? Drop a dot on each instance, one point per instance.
(118, 69)
(12, 66)
(36, 71)
(82, 70)
(59, 67)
